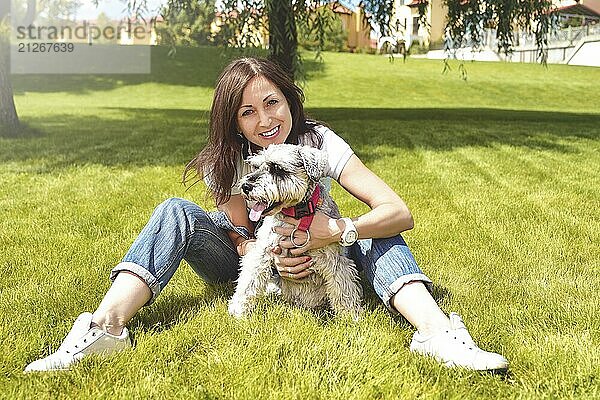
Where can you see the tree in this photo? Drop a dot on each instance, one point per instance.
(334, 39)
(9, 119)
(187, 23)
(280, 18)
(283, 39)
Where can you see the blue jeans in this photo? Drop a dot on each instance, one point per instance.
(181, 230)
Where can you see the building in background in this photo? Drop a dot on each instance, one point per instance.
(408, 29)
(356, 24)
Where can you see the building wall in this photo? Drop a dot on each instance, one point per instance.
(437, 20)
(359, 30)
(405, 22)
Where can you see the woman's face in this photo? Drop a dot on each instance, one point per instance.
(264, 116)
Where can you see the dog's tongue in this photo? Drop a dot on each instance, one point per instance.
(256, 211)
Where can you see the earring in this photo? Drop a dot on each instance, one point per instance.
(246, 145)
(246, 151)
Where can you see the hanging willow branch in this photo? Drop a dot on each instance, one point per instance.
(380, 15)
(466, 24)
(468, 19)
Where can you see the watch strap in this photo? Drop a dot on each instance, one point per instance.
(348, 227)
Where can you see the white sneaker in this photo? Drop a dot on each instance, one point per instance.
(81, 341)
(80, 327)
(455, 348)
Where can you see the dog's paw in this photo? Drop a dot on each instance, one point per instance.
(354, 314)
(273, 289)
(357, 314)
(237, 310)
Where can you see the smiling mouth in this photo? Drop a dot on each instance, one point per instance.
(271, 133)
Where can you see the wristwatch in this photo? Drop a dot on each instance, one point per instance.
(350, 235)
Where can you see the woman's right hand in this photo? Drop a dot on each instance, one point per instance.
(294, 267)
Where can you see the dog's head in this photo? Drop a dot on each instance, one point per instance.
(284, 175)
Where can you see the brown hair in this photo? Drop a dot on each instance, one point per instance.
(225, 146)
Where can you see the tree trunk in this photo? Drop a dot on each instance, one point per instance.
(283, 40)
(9, 121)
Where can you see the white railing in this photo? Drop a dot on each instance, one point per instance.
(562, 44)
(562, 37)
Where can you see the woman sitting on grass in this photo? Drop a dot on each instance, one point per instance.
(256, 104)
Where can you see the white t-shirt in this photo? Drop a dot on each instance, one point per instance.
(338, 154)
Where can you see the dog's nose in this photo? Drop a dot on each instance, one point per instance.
(246, 187)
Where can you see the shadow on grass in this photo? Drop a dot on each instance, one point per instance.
(191, 67)
(446, 129)
(150, 136)
(23, 131)
(133, 137)
(170, 308)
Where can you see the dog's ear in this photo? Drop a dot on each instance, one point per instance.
(315, 162)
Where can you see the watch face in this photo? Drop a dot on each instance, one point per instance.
(350, 237)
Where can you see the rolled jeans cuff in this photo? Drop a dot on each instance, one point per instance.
(141, 273)
(400, 282)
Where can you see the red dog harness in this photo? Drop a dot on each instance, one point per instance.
(305, 212)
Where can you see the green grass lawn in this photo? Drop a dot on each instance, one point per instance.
(501, 172)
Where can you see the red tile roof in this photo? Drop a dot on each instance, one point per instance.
(416, 3)
(579, 9)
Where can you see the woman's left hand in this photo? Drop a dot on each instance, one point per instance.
(244, 246)
(323, 231)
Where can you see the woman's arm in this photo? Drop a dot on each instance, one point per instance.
(389, 214)
(235, 209)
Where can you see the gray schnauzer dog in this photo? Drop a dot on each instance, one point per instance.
(285, 181)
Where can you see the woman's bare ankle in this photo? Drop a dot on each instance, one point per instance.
(126, 296)
(107, 323)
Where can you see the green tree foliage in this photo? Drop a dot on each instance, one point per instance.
(467, 21)
(380, 14)
(322, 30)
(245, 23)
(187, 23)
(59, 9)
(242, 22)
(250, 23)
